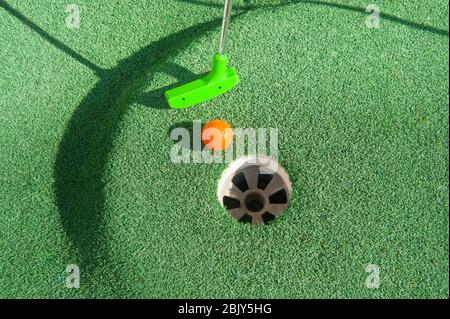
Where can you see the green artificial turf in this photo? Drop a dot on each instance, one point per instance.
(86, 175)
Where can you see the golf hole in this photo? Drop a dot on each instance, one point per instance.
(254, 202)
(255, 189)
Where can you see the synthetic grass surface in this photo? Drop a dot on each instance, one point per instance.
(85, 170)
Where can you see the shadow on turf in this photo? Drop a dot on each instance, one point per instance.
(385, 16)
(89, 136)
(155, 98)
(55, 42)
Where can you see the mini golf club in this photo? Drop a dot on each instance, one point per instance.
(218, 81)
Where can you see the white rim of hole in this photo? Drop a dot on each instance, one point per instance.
(251, 168)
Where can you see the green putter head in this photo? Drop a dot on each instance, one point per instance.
(218, 81)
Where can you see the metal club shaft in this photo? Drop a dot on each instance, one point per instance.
(225, 23)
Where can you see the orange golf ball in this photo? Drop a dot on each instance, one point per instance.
(217, 135)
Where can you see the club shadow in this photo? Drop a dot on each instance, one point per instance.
(155, 98)
(386, 16)
(88, 139)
